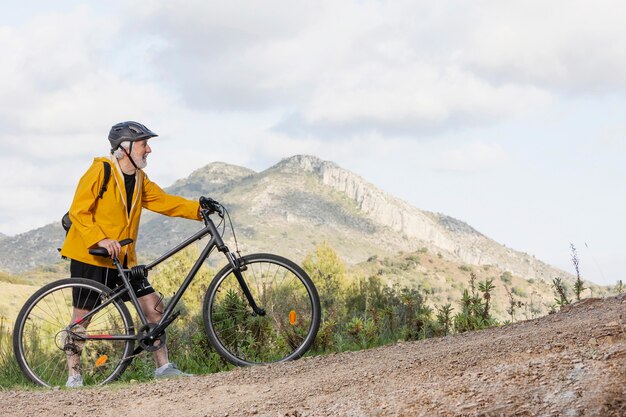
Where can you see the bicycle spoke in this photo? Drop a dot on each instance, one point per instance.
(291, 317)
(46, 337)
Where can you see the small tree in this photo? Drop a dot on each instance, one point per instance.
(486, 287)
(326, 270)
(444, 318)
(408, 302)
(561, 292)
(578, 285)
(469, 318)
(513, 304)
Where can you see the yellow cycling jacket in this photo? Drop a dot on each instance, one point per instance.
(94, 219)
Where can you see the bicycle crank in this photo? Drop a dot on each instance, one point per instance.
(148, 341)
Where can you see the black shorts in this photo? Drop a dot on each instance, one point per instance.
(87, 300)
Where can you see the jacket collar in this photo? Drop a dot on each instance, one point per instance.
(119, 180)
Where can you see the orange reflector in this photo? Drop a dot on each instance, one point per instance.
(101, 360)
(292, 317)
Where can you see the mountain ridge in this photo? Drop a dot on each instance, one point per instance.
(294, 205)
(473, 248)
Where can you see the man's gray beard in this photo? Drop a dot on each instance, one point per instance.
(142, 163)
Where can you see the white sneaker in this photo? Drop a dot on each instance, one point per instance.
(169, 370)
(74, 381)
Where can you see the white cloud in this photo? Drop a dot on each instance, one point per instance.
(36, 191)
(330, 67)
(472, 157)
(567, 46)
(416, 97)
(60, 95)
(45, 56)
(404, 66)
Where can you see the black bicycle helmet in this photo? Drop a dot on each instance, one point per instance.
(128, 131)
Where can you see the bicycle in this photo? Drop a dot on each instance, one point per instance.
(259, 308)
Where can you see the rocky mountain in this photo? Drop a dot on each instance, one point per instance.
(210, 178)
(32, 249)
(294, 205)
(418, 228)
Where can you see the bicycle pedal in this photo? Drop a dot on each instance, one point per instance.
(160, 303)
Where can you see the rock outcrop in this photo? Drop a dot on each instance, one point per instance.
(435, 231)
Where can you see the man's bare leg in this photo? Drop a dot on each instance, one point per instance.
(73, 359)
(150, 306)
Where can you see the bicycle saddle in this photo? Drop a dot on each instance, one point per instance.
(104, 252)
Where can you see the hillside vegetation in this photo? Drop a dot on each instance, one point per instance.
(440, 280)
(16, 288)
(408, 297)
(566, 364)
(444, 281)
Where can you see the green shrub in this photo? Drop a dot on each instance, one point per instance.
(361, 314)
(506, 277)
(519, 292)
(10, 373)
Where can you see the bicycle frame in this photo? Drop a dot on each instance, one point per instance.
(169, 315)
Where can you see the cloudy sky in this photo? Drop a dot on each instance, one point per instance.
(508, 115)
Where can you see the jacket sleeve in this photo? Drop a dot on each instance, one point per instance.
(83, 206)
(155, 199)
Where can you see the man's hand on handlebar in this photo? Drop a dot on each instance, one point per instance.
(213, 206)
(112, 246)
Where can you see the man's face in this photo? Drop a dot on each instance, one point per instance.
(140, 152)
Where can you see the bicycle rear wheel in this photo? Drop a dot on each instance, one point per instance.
(47, 343)
(291, 304)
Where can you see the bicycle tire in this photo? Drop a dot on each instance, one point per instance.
(292, 308)
(43, 345)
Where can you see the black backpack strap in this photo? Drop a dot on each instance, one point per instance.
(107, 175)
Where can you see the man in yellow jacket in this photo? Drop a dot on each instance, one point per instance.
(103, 219)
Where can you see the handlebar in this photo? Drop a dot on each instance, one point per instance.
(211, 205)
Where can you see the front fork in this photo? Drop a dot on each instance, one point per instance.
(238, 266)
(235, 263)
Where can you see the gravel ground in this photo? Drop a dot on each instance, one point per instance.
(572, 363)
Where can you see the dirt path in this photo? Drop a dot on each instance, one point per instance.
(568, 364)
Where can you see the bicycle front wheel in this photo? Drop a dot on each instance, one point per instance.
(49, 345)
(291, 319)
